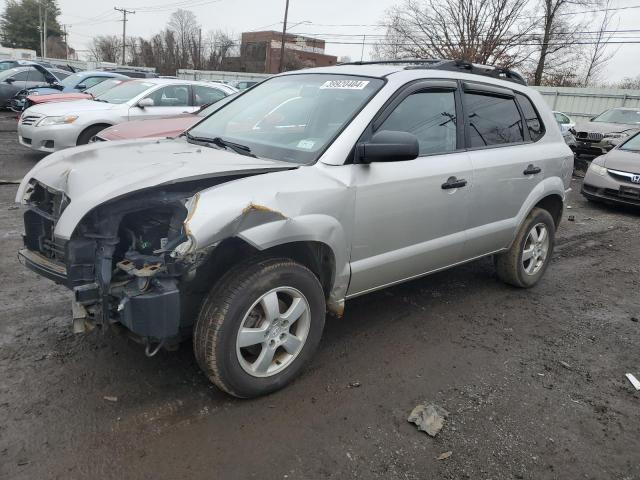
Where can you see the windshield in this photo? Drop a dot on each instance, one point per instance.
(8, 73)
(6, 65)
(125, 92)
(102, 87)
(290, 118)
(72, 80)
(630, 117)
(207, 110)
(633, 144)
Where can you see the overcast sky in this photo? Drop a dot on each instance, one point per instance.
(87, 18)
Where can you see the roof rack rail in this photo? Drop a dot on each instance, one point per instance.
(451, 65)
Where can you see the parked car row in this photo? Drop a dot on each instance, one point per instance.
(53, 126)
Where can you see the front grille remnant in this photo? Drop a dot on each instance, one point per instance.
(45, 207)
(590, 136)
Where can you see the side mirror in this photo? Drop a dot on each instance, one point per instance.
(389, 146)
(81, 86)
(10, 80)
(146, 102)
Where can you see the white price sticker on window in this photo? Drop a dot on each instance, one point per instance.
(344, 85)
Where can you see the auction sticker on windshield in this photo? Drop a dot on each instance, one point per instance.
(344, 84)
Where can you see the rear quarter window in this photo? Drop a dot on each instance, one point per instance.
(531, 117)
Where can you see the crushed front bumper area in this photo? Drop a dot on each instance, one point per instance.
(43, 266)
(149, 308)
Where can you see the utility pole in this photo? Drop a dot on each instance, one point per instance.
(124, 31)
(40, 28)
(284, 33)
(66, 43)
(44, 48)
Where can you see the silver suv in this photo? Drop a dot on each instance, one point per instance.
(307, 190)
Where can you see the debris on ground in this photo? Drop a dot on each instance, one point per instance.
(634, 319)
(110, 399)
(428, 417)
(354, 384)
(634, 381)
(444, 456)
(571, 218)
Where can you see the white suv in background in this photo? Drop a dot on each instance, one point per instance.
(54, 126)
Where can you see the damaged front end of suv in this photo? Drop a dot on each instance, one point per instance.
(131, 260)
(120, 261)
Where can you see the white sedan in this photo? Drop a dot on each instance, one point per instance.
(54, 126)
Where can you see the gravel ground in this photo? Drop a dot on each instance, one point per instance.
(533, 380)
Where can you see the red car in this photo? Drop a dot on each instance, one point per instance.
(88, 94)
(162, 127)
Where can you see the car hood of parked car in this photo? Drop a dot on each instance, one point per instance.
(96, 173)
(623, 160)
(53, 109)
(58, 97)
(44, 91)
(604, 127)
(164, 127)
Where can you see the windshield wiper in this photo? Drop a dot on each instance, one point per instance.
(99, 100)
(219, 142)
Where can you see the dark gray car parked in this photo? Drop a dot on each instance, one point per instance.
(17, 79)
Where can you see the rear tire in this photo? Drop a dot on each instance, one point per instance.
(524, 264)
(89, 133)
(259, 326)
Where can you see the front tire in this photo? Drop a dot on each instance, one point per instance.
(259, 326)
(524, 264)
(89, 133)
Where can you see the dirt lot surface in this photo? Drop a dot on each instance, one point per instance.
(533, 380)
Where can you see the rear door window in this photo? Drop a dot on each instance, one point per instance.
(206, 95)
(492, 120)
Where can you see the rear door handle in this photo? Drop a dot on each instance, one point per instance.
(532, 170)
(453, 182)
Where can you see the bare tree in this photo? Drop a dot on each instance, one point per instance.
(560, 34)
(184, 24)
(220, 45)
(479, 31)
(106, 48)
(597, 54)
(631, 83)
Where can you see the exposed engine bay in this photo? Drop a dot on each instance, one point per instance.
(119, 261)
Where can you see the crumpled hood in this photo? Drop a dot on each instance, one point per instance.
(94, 174)
(603, 127)
(65, 108)
(622, 160)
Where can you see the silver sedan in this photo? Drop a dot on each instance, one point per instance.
(55, 126)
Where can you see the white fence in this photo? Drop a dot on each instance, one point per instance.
(221, 76)
(579, 103)
(583, 103)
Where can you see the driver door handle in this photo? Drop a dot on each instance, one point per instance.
(453, 182)
(532, 170)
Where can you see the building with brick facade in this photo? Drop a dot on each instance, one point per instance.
(260, 53)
